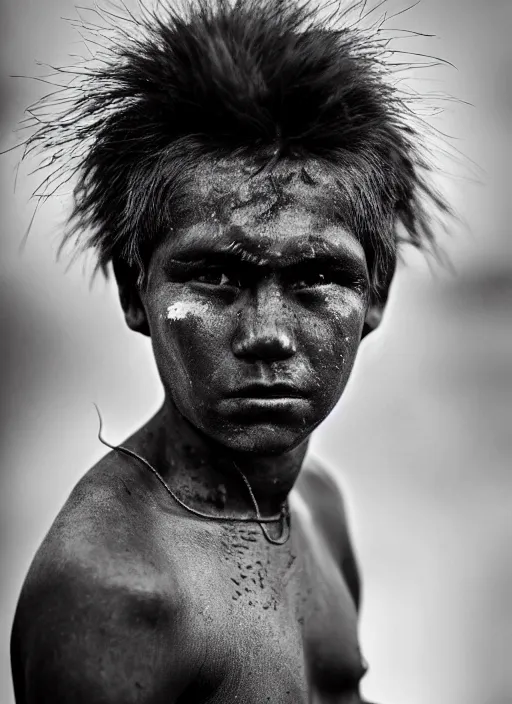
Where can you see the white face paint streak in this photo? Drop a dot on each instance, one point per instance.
(182, 309)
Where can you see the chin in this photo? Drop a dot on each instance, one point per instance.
(264, 439)
(262, 426)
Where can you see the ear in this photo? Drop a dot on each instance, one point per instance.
(378, 302)
(129, 296)
(373, 317)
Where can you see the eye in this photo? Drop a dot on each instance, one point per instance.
(311, 280)
(311, 283)
(216, 277)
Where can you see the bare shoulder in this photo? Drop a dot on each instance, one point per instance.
(97, 618)
(320, 489)
(105, 530)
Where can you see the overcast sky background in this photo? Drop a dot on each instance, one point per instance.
(422, 438)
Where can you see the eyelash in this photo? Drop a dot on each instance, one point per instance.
(314, 279)
(227, 279)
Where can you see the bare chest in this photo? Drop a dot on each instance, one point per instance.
(279, 622)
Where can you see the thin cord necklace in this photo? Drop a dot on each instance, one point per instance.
(283, 515)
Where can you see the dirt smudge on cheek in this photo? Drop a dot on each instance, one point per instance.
(347, 315)
(186, 328)
(343, 320)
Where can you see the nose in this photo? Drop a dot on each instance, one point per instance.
(264, 331)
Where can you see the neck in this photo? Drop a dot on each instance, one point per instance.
(207, 476)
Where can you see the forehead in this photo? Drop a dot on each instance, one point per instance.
(292, 211)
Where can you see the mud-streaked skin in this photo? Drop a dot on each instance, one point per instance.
(250, 290)
(131, 598)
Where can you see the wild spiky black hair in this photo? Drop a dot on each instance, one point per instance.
(216, 78)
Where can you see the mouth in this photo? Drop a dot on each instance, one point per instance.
(267, 391)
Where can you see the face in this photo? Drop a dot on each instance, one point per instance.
(256, 304)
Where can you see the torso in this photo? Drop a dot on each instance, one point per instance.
(279, 621)
(268, 623)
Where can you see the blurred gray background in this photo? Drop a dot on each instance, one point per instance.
(423, 436)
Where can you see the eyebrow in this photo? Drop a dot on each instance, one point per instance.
(239, 252)
(328, 258)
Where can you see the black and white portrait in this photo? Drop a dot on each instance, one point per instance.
(256, 371)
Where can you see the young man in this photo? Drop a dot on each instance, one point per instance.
(245, 169)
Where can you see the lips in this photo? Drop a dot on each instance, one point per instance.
(266, 391)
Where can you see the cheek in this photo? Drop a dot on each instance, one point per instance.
(346, 315)
(334, 337)
(184, 308)
(187, 332)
